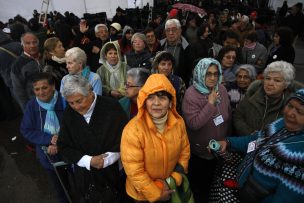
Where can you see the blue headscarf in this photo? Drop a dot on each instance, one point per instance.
(51, 124)
(199, 74)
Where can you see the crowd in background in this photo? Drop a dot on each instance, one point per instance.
(227, 73)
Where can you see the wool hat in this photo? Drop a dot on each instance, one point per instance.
(299, 95)
(116, 26)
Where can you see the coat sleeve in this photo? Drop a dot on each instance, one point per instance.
(30, 130)
(66, 145)
(239, 118)
(132, 157)
(185, 153)
(195, 116)
(19, 87)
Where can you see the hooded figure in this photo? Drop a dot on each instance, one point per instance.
(125, 41)
(154, 144)
(113, 70)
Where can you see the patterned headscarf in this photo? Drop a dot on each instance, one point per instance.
(199, 74)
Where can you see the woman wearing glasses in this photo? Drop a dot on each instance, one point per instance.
(206, 110)
(136, 78)
(227, 57)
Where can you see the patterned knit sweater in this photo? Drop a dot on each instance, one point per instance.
(278, 163)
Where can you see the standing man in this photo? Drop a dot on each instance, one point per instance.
(177, 45)
(23, 69)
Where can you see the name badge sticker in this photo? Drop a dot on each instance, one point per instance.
(251, 146)
(218, 120)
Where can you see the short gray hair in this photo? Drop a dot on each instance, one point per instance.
(101, 25)
(77, 55)
(75, 84)
(173, 21)
(286, 69)
(25, 34)
(140, 36)
(249, 68)
(139, 75)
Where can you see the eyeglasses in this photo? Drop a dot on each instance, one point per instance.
(209, 74)
(230, 57)
(128, 86)
(171, 30)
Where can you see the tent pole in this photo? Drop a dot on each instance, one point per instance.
(85, 6)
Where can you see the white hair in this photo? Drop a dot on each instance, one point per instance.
(100, 25)
(173, 21)
(77, 55)
(75, 84)
(286, 69)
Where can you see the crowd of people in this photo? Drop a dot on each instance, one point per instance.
(132, 112)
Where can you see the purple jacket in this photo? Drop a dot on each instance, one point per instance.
(198, 114)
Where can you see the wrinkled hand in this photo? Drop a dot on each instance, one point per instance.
(212, 97)
(166, 192)
(52, 150)
(98, 161)
(54, 139)
(95, 50)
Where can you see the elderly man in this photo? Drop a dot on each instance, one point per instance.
(177, 45)
(76, 64)
(24, 68)
(90, 136)
(92, 44)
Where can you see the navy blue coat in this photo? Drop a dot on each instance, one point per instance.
(32, 128)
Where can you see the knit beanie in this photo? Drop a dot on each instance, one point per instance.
(116, 26)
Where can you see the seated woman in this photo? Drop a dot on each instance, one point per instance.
(140, 56)
(54, 59)
(125, 41)
(164, 63)
(113, 71)
(206, 111)
(264, 100)
(40, 124)
(272, 171)
(136, 78)
(245, 75)
(89, 138)
(76, 60)
(154, 144)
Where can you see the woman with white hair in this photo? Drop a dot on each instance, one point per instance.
(264, 100)
(76, 60)
(140, 56)
(89, 138)
(245, 75)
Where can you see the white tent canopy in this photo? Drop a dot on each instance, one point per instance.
(11, 8)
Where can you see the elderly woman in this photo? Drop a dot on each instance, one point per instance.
(245, 75)
(265, 99)
(154, 144)
(54, 59)
(136, 78)
(113, 71)
(76, 64)
(272, 171)
(140, 55)
(206, 111)
(227, 57)
(164, 63)
(85, 142)
(40, 124)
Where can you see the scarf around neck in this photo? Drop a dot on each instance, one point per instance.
(51, 125)
(58, 60)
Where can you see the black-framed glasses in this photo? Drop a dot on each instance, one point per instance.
(128, 86)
